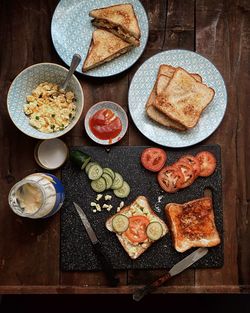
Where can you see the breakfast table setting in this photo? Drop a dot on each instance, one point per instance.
(124, 139)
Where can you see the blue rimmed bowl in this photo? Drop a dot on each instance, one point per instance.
(29, 79)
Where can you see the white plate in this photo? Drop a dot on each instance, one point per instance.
(143, 82)
(71, 32)
(118, 110)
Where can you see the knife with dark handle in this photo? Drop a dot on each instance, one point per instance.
(104, 260)
(106, 265)
(176, 269)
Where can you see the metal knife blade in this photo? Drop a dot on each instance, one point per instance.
(188, 261)
(86, 224)
(176, 269)
(105, 262)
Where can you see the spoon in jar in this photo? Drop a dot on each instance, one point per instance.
(74, 63)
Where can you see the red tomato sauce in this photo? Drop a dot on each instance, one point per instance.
(105, 125)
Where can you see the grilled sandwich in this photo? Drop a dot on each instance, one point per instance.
(192, 224)
(104, 47)
(119, 19)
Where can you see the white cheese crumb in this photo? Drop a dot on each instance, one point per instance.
(121, 205)
(118, 209)
(105, 206)
(108, 197)
(98, 207)
(92, 204)
(94, 211)
(99, 196)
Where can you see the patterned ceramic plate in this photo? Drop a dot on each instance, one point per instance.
(143, 82)
(71, 31)
(118, 110)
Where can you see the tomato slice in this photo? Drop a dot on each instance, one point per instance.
(187, 172)
(170, 179)
(193, 161)
(136, 231)
(153, 159)
(207, 163)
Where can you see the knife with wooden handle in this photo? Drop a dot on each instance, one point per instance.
(176, 269)
(105, 262)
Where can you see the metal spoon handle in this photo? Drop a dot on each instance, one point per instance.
(74, 63)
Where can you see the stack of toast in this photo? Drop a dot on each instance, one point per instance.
(117, 32)
(178, 98)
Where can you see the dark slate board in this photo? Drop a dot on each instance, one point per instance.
(76, 249)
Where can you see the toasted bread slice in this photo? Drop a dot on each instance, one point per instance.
(192, 224)
(165, 73)
(139, 207)
(184, 98)
(158, 116)
(120, 20)
(104, 47)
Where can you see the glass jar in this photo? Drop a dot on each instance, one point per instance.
(38, 195)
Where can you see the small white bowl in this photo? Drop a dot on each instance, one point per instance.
(29, 79)
(118, 110)
(51, 154)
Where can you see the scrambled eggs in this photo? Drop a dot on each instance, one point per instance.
(50, 108)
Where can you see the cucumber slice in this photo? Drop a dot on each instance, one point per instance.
(79, 158)
(108, 180)
(154, 230)
(124, 191)
(118, 181)
(120, 223)
(89, 166)
(109, 172)
(98, 185)
(95, 172)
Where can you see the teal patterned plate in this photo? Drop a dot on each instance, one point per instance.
(71, 32)
(143, 82)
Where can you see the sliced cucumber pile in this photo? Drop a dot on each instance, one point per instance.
(105, 178)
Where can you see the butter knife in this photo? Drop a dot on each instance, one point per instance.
(176, 269)
(105, 262)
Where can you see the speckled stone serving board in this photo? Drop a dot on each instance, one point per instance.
(76, 251)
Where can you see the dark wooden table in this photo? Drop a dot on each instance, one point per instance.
(219, 30)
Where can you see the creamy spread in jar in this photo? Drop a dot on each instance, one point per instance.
(30, 198)
(36, 196)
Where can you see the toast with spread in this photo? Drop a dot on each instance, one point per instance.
(119, 19)
(192, 224)
(137, 227)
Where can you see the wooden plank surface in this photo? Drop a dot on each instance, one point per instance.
(219, 30)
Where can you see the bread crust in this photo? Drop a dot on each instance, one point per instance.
(192, 224)
(132, 249)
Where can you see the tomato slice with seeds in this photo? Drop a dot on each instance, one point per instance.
(170, 179)
(153, 159)
(193, 161)
(136, 231)
(187, 172)
(207, 163)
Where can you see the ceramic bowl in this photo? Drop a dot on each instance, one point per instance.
(29, 79)
(118, 110)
